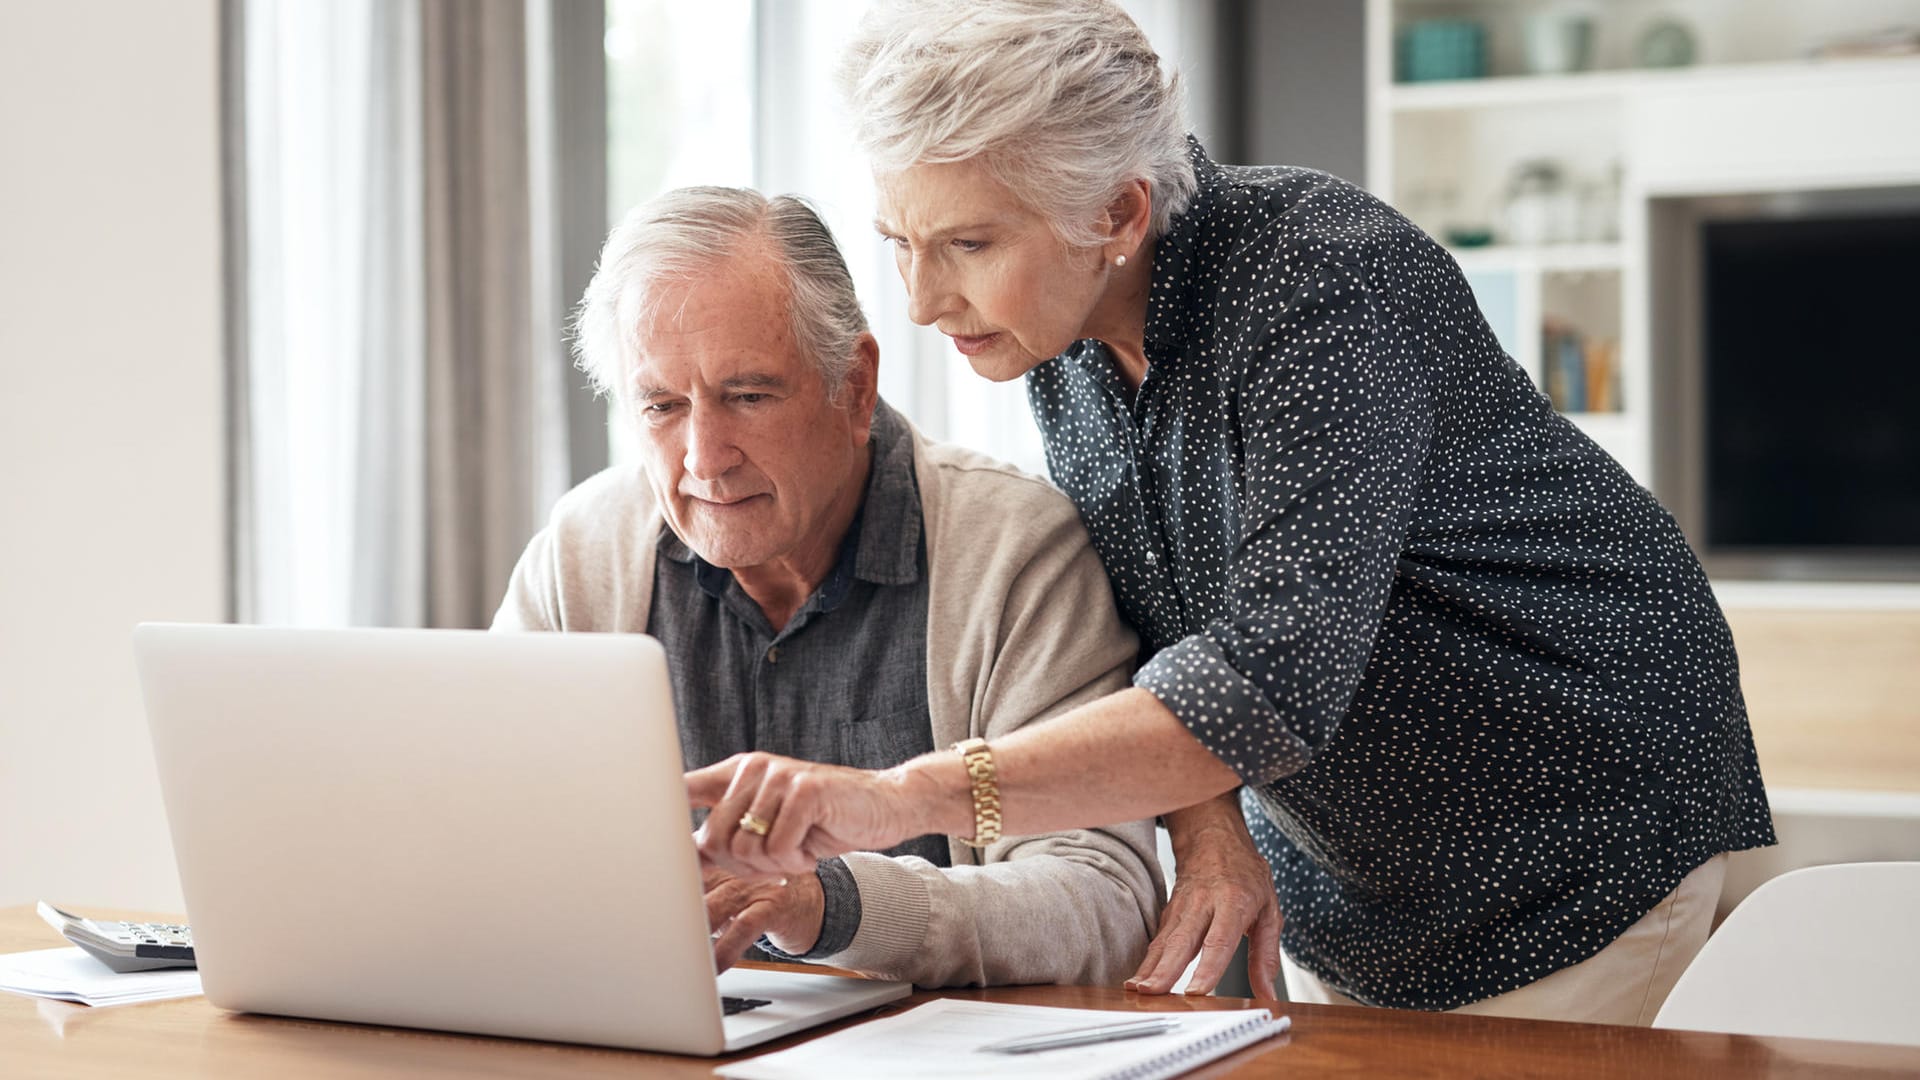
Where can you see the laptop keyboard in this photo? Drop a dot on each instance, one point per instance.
(731, 1006)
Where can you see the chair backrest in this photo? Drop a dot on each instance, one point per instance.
(1830, 952)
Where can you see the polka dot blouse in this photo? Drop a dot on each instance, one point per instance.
(1485, 706)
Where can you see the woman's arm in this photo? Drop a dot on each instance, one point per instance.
(1222, 891)
(1121, 757)
(1336, 435)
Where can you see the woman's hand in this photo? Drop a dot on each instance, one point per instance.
(787, 910)
(1222, 890)
(812, 811)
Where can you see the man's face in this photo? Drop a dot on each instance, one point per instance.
(748, 457)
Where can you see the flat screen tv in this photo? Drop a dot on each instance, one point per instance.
(1812, 391)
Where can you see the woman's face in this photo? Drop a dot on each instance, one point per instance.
(985, 268)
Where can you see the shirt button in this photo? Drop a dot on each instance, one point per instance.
(773, 655)
(1152, 558)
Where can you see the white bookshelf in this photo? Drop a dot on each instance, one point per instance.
(1558, 258)
(1751, 114)
(1523, 91)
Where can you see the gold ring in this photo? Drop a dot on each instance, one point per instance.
(754, 825)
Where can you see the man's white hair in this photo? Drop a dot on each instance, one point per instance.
(1063, 101)
(684, 234)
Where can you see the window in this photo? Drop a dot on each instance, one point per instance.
(679, 98)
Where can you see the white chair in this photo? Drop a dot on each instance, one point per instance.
(1830, 952)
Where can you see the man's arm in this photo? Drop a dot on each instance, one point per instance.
(1075, 906)
(590, 567)
(531, 602)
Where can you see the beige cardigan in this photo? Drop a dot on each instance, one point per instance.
(1021, 625)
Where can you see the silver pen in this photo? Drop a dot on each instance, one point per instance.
(1131, 1029)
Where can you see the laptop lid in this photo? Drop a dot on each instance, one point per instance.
(441, 829)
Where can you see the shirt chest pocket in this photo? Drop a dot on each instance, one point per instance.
(885, 738)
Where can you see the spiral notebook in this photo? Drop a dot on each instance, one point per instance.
(944, 1039)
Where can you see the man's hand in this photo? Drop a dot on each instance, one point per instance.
(1222, 890)
(787, 910)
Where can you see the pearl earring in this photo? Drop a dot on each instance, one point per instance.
(1119, 260)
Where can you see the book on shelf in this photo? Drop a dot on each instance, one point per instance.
(1579, 372)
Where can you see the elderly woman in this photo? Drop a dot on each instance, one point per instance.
(1483, 705)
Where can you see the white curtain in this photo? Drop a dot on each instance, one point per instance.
(334, 313)
(403, 428)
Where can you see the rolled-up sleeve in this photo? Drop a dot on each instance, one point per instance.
(1334, 445)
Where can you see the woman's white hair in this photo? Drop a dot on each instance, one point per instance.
(682, 235)
(1063, 101)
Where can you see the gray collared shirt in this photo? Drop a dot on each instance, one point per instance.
(844, 682)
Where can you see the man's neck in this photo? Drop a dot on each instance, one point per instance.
(782, 585)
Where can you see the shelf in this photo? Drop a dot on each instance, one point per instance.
(1601, 426)
(1621, 434)
(1602, 86)
(1552, 258)
(1756, 115)
(1510, 90)
(1819, 595)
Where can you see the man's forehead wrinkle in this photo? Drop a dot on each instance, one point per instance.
(725, 329)
(671, 317)
(679, 316)
(646, 388)
(750, 380)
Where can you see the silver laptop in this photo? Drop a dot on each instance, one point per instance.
(449, 829)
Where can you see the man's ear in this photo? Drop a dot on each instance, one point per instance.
(861, 392)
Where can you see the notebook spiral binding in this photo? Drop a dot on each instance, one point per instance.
(1192, 1056)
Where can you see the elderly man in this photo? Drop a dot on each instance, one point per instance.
(829, 585)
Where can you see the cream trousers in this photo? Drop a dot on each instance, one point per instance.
(1624, 983)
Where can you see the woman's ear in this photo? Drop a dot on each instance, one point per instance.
(1129, 216)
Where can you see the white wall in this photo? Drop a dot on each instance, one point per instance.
(111, 444)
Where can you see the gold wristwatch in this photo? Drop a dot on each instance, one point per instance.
(986, 792)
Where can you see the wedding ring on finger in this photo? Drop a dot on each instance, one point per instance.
(754, 825)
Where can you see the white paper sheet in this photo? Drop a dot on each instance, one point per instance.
(71, 975)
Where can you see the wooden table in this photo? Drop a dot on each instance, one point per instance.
(192, 1038)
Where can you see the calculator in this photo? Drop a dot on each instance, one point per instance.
(125, 946)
